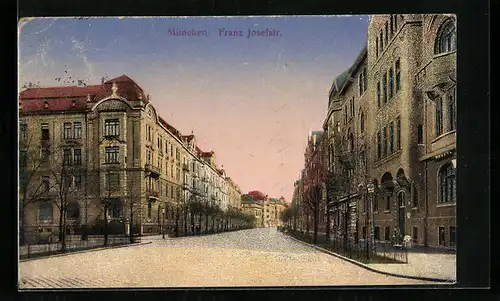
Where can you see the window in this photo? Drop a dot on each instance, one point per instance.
(365, 79)
(23, 131)
(67, 131)
(375, 204)
(345, 114)
(45, 131)
(453, 236)
(78, 180)
(376, 47)
(401, 199)
(420, 134)
(398, 131)
(381, 42)
(177, 154)
(391, 83)
(384, 87)
(113, 181)
(46, 183)
(395, 22)
(45, 211)
(178, 173)
(392, 25)
(72, 210)
(115, 209)
(352, 107)
(391, 137)
(452, 110)
(414, 235)
(387, 234)
(171, 170)
(447, 37)
(77, 156)
(23, 158)
(67, 180)
(67, 156)
(377, 233)
(388, 203)
(364, 232)
(386, 33)
(362, 123)
(112, 154)
(77, 130)
(447, 181)
(166, 147)
(398, 75)
(150, 207)
(111, 127)
(360, 83)
(45, 156)
(442, 236)
(378, 94)
(439, 116)
(384, 139)
(379, 145)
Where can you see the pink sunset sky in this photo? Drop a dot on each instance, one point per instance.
(251, 100)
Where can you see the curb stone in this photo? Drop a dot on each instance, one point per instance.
(373, 269)
(85, 251)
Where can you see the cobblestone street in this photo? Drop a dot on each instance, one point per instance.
(256, 257)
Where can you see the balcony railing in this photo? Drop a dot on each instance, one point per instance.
(153, 170)
(152, 193)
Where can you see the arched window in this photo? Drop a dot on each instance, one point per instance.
(439, 116)
(447, 184)
(446, 40)
(362, 123)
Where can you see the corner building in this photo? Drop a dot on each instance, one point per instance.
(392, 122)
(108, 135)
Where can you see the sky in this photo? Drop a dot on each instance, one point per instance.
(252, 100)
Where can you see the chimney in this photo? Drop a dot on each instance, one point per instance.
(80, 83)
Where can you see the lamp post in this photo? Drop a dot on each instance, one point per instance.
(371, 193)
(163, 224)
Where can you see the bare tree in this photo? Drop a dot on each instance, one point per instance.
(104, 190)
(313, 201)
(63, 173)
(33, 164)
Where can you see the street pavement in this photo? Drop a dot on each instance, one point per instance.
(247, 258)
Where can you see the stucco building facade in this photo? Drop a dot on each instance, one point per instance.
(85, 146)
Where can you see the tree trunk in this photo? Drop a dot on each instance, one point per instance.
(200, 217)
(185, 215)
(191, 214)
(206, 222)
(177, 215)
(327, 222)
(131, 222)
(105, 225)
(316, 222)
(213, 224)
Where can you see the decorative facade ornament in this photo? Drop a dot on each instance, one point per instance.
(114, 89)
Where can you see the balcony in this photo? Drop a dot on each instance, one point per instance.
(152, 194)
(153, 171)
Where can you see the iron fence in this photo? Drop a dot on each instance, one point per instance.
(361, 250)
(43, 241)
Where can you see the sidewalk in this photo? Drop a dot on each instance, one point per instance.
(421, 264)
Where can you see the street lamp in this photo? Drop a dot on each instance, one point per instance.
(163, 224)
(371, 192)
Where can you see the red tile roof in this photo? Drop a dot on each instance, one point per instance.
(59, 92)
(257, 195)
